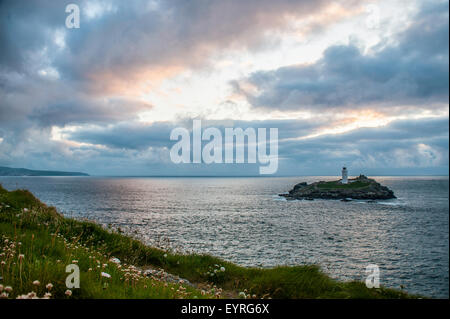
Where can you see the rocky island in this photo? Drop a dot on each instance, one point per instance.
(360, 187)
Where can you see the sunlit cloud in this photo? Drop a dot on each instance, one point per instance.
(327, 75)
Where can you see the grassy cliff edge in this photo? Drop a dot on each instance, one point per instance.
(37, 243)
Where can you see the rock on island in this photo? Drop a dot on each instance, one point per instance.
(360, 187)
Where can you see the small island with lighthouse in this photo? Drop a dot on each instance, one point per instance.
(346, 189)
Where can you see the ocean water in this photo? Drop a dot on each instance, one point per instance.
(245, 221)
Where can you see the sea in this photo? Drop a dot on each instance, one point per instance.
(244, 220)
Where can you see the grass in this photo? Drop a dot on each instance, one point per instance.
(37, 243)
(337, 184)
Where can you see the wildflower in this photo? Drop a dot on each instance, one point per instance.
(106, 275)
(3, 295)
(165, 255)
(31, 294)
(242, 294)
(115, 260)
(74, 261)
(49, 286)
(222, 269)
(8, 289)
(21, 256)
(47, 295)
(36, 283)
(68, 292)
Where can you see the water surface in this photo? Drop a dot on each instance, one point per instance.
(243, 220)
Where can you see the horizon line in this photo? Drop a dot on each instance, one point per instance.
(230, 176)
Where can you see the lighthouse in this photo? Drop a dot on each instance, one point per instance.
(344, 179)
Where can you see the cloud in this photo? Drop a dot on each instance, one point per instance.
(53, 76)
(87, 84)
(126, 135)
(402, 144)
(83, 110)
(31, 101)
(122, 39)
(131, 148)
(410, 71)
(138, 135)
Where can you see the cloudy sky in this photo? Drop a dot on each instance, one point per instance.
(360, 83)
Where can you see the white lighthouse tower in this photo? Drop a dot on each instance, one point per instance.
(344, 179)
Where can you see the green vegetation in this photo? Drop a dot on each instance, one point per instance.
(37, 243)
(337, 184)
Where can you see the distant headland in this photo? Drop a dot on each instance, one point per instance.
(10, 171)
(345, 189)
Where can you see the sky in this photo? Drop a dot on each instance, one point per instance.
(358, 83)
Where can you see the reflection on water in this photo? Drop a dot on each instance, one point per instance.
(243, 220)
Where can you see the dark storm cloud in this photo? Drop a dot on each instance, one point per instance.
(413, 71)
